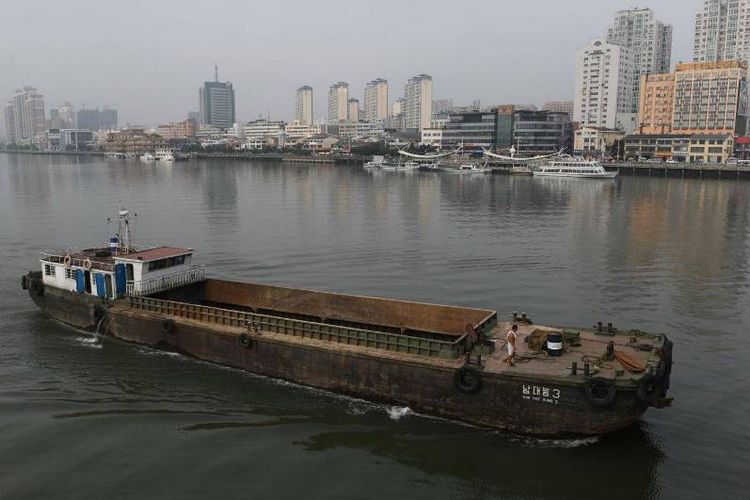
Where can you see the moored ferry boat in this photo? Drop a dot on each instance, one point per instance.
(574, 167)
(440, 360)
(164, 155)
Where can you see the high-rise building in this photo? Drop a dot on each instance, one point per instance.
(217, 103)
(9, 113)
(722, 31)
(604, 85)
(656, 103)
(28, 116)
(418, 102)
(649, 40)
(338, 102)
(353, 109)
(67, 115)
(398, 107)
(698, 98)
(96, 119)
(376, 100)
(303, 111)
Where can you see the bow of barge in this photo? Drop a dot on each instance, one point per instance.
(440, 360)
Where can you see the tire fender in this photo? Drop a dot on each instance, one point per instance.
(600, 392)
(468, 379)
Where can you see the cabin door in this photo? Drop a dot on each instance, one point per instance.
(87, 281)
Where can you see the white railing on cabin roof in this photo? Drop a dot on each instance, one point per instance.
(166, 281)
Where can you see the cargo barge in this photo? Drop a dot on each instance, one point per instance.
(438, 360)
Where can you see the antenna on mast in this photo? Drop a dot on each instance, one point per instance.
(216, 72)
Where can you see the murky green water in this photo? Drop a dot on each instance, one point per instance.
(82, 417)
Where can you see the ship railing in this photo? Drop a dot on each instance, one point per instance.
(257, 324)
(166, 281)
(59, 258)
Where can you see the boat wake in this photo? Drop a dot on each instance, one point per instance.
(396, 413)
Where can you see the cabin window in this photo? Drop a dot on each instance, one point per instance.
(164, 263)
(70, 273)
(49, 270)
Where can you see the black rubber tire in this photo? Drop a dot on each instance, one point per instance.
(245, 341)
(36, 287)
(23, 282)
(167, 326)
(600, 392)
(664, 371)
(468, 379)
(649, 390)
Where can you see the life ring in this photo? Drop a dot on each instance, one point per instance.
(36, 287)
(649, 389)
(167, 326)
(67, 260)
(245, 341)
(600, 392)
(468, 379)
(87, 264)
(24, 286)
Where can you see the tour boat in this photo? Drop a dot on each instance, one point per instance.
(147, 157)
(575, 167)
(440, 360)
(164, 155)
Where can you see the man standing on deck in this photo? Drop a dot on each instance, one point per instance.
(510, 342)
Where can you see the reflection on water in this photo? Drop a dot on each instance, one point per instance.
(658, 254)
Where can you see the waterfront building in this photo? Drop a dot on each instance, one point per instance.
(303, 109)
(722, 31)
(320, 143)
(432, 136)
(272, 130)
(76, 139)
(177, 130)
(540, 132)
(558, 107)
(338, 101)
(9, 113)
(595, 141)
(656, 103)
(28, 122)
(473, 130)
(691, 148)
(96, 119)
(353, 110)
(604, 85)
(217, 105)
(376, 100)
(360, 129)
(504, 129)
(418, 103)
(132, 140)
(297, 130)
(649, 40)
(711, 98)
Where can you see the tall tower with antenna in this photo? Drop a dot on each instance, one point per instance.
(217, 102)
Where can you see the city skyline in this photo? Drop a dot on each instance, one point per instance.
(155, 86)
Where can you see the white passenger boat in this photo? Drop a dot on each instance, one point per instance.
(472, 168)
(376, 162)
(147, 157)
(574, 167)
(164, 155)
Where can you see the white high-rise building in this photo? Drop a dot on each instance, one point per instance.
(29, 119)
(418, 102)
(9, 112)
(303, 112)
(338, 102)
(376, 100)
(722, 31)
(649, 40)
(604, 85)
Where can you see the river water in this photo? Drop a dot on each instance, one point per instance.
(86, 417)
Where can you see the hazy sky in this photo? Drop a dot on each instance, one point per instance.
(148, 58)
